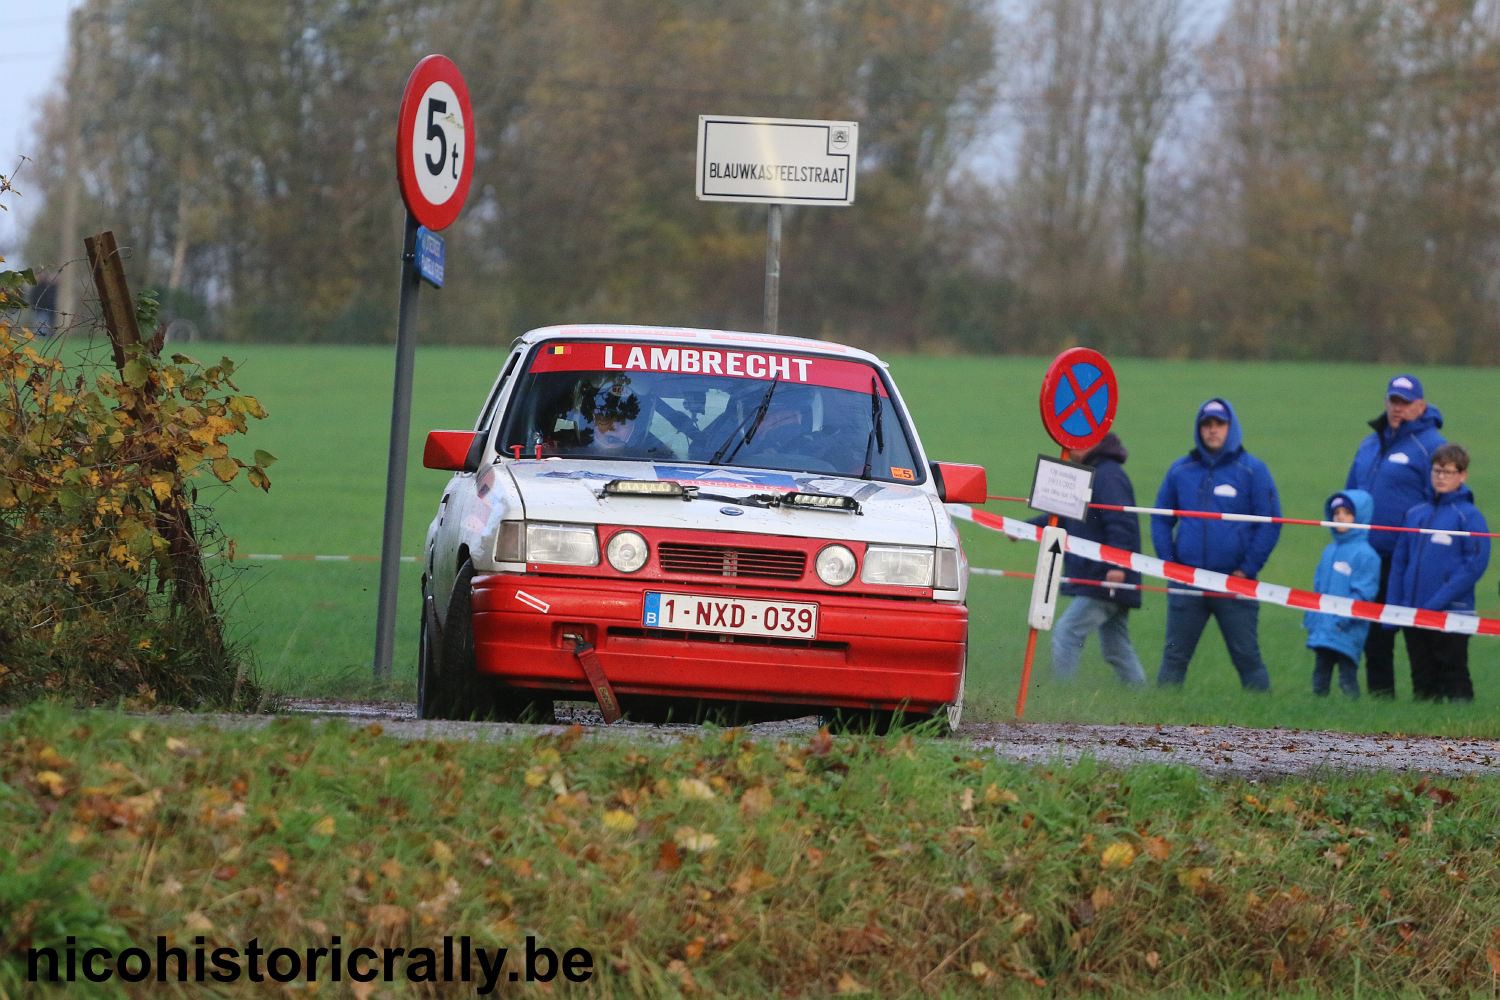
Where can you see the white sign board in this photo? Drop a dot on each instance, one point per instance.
(1049, 573)
(776, 160)
(1062, 488)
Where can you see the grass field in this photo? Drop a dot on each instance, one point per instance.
(311, 626)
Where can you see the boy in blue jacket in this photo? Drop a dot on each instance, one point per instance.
(1217, 475)
(1438, 572)
(1350, 567)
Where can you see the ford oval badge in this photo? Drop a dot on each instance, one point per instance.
(731, 511)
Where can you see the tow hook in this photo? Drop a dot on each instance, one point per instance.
(593, 670)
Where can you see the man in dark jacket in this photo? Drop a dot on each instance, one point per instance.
(1217, 475)
(1099, 606)
(1393, 465)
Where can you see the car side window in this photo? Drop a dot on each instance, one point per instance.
(487, 415)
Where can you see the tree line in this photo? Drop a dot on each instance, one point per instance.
(1256, 178)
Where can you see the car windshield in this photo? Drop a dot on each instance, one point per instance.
(682, 403)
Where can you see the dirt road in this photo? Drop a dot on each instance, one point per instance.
(1218, 750)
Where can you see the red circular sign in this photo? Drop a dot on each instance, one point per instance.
(435, 142)
(1079, 396)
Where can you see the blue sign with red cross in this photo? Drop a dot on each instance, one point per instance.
(1079, 396)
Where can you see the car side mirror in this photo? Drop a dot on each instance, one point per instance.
(960, 483)
(448, 450)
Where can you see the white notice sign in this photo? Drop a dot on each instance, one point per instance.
(781, 160)
(1062, 488)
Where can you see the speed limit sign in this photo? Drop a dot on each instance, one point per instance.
(435, 142)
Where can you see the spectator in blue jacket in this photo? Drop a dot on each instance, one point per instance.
(1438, 572)
(1392, 465)
(1217, 475)
(1349, 568)
(1098, 606)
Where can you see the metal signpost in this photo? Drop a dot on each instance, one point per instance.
(434, 165)
(1078, 401)
(778, 161)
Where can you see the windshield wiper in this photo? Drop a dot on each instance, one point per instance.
(759, 415)
(877, 434)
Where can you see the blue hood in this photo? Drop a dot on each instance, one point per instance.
(1218, 406)
(1431, 419)
(1364, 509)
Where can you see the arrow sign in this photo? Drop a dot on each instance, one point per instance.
(1049, 572)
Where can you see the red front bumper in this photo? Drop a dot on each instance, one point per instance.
(870, 652)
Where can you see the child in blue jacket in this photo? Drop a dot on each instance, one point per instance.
(1350, 567)
(1438, 572)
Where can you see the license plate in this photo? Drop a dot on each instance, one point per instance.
(730, 615)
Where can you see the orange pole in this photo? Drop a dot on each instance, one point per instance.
(1026, 673)
(1031, 638)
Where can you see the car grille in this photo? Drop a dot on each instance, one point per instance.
(721, 560)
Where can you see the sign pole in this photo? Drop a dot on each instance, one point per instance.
(395, 477)
(434, 167)
(1031, 638)
(1078, 401)
(773, 269)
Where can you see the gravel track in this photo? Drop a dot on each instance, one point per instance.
(1228, 751)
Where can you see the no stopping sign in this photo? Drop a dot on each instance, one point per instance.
(435, 142)
(1079, 397)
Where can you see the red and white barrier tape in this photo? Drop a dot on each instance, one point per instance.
(304, 557)
(1105, 584)
(1270, 593)
(1214, 515)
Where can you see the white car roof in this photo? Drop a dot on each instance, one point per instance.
(606, 331)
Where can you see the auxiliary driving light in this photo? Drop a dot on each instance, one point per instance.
(643, 488)
(821, 501)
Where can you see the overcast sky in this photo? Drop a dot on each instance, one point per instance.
(33, 37)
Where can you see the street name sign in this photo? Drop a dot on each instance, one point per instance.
(431, 256)
(776, 160)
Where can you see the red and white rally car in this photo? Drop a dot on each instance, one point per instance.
(669, 517)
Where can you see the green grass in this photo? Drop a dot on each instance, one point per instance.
(720, 866)
(312, 625)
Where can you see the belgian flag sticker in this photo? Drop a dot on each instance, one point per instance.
(560, 349)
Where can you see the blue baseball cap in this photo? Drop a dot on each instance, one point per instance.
(1407, 387)
(1213, 410)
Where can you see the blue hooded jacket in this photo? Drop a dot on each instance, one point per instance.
(1349, 568)
(1395, 467)
(1438, 572)
(1231, 481)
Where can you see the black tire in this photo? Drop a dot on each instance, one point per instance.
(428, 678)
(447, 686)
(859, 722)
(460, 692)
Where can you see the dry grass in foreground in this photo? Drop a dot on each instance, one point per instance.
(719, 866)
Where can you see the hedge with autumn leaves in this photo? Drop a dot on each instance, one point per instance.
(104, 596)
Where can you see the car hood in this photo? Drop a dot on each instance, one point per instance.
(570, 491)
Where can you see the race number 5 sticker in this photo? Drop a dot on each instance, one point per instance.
(435, 142)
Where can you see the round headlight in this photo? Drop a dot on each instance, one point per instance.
(627, 551)
(835, 565)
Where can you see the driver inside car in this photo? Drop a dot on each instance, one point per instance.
(610, 419)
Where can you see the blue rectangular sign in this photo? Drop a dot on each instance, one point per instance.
(430, 256)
